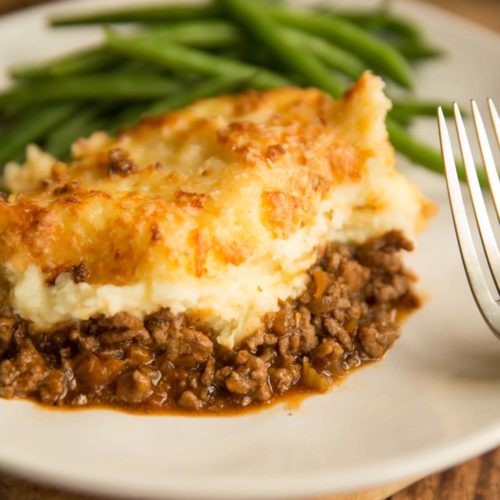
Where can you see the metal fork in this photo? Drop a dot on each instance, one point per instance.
(488, 303)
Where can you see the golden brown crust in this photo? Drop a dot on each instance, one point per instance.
(194, 190)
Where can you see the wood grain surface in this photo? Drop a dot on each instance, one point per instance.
(477, 479)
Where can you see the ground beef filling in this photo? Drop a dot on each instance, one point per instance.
(347, 316)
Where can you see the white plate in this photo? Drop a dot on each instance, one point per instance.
(434, 401)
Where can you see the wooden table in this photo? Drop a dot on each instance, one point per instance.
(477, 479)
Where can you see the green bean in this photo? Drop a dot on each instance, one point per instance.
(369, 20)
(407, 109)
(415, 51)
(334, 57)
(395, 25)
(378, 54)
(402, 27)
(150, 14)
(94, 58)
(380, 19)
(219, 34)
(129, 115)
(215, 86)
(337, 30)
(262, 27)
(404, 121)
(105, 86)
(422, 154)
(31, 126)
(81, 124)
(309, 44)
(177, 57)
(200, 34)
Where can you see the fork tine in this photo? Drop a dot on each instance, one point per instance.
(482, 218)
(477, 282)
(489, 162)
(494, 117)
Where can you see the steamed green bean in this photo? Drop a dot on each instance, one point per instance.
(331, 55)
(337, 30)
(81, 124)
(94, 58)
(379, 54)
(420, 153)
(235, 43)
(177, 57)
(129, 115)
(415, 51)
(103, 86)
(207, 33)
(251, 17)
(208, 88)
(381, 19)
(413, 108)
(220, 34)
(149, 14)
(30, 126)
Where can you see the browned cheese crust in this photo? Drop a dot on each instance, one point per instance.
(171, 189)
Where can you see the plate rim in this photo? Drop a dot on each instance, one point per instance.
(416, 465)
(428, 461)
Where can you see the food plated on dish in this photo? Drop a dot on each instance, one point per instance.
(220, 255)
(405, 416)
(213, 257)
(217, 256)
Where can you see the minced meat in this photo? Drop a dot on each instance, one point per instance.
(347, 316)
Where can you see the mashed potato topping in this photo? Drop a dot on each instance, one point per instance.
(217, 210)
